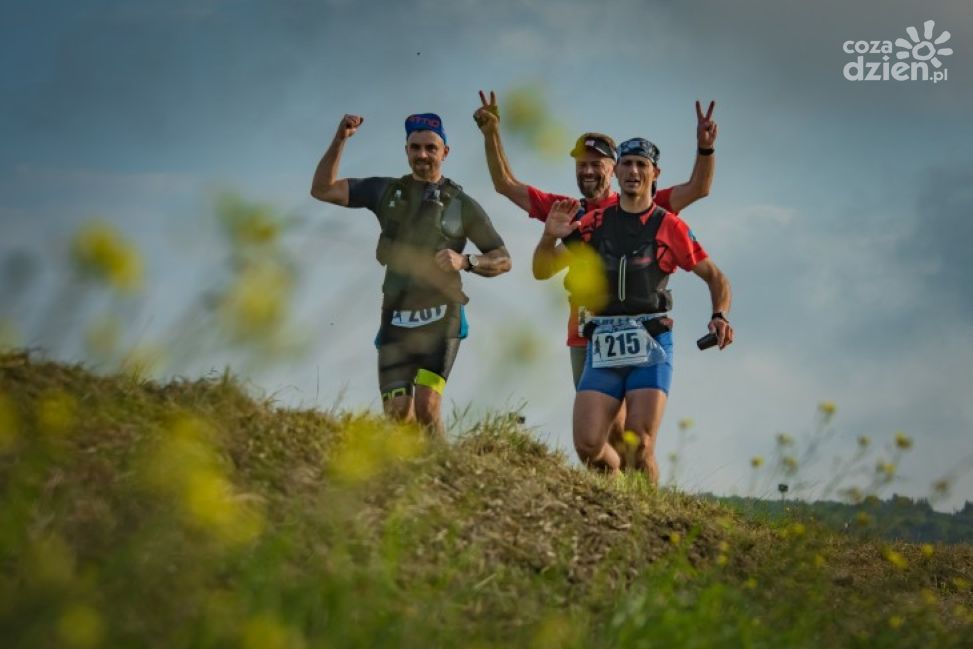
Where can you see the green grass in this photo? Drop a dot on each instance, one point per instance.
(193, 515)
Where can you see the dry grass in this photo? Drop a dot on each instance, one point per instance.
(191, 514)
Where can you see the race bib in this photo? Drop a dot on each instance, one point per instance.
(419, 317)
(624, 342)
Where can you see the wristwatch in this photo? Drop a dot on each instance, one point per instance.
(471, 263)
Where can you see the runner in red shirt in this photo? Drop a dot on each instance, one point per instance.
(634, 245)
(594, 156)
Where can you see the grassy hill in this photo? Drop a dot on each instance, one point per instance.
(135, 514)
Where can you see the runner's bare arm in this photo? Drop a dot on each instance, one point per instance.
(550, 256)
(326, 186)
(721, 297)
(487, 117)
(701, 179)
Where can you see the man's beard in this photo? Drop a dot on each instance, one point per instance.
(423, 171)
(592, 190)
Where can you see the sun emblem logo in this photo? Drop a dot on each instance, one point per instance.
(924, 49)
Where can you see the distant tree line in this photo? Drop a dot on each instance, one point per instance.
(898, 519)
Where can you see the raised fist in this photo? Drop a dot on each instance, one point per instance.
(349, 124)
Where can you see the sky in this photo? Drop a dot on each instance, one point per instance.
(840, 209)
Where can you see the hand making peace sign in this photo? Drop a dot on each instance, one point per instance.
(705, 126)
(487, 116)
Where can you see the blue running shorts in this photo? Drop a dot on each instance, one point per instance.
(616, 381)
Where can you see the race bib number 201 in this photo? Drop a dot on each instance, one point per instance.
(619, 347)
(419, 317)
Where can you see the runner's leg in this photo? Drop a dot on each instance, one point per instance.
(645, 409)
(593, 415)
(617, 427)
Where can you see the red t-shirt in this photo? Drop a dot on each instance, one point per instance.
(540, 206)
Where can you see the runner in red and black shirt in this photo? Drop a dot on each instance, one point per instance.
(621, 257)
(594, 160)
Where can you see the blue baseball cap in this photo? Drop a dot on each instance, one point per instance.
(640, 147)
(425, 122)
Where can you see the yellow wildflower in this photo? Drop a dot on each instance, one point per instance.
(903, 441)
(686, 423)
(80, 626)
(863, 519)
(264, 631)
(798, 529)
(56, 412)
(864, 441)
(887, 469)
(675, 538)
(100, 251)
(896, 559)
(926, 549)
(587, 282)
(896, 621)
(631, 439)
(722, 560)
(783, 439)
(790, 463)
(827, 408)
(750, 584)
(941, 487)
(756, 461)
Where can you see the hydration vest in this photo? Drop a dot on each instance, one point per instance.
(413, 231)
(634, 281)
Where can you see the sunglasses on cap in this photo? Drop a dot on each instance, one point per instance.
(640, 147)
(594, 143)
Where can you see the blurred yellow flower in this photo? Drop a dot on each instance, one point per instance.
(724, 546)
(246, 223)
(372, 445)
(686, 423)
(783, 439)
(265, 631)
(100, 252)
(895, 558)
(675, 538)
(929, 597)
(926, 549)
(9, 423)
(863, 519)
(896, 621)
(722, 560)
(555, 631)
(257, 302)
(961, 583)
(143, 360)
(798, 529)
(57, 412)
(750, 584)
(886, 469)
(903, 441)
(80, 626)
(790, 463)
(827, 408)
(864, 441)
(631, 439)
(756, 461)
(586, 280)
(941, 487)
